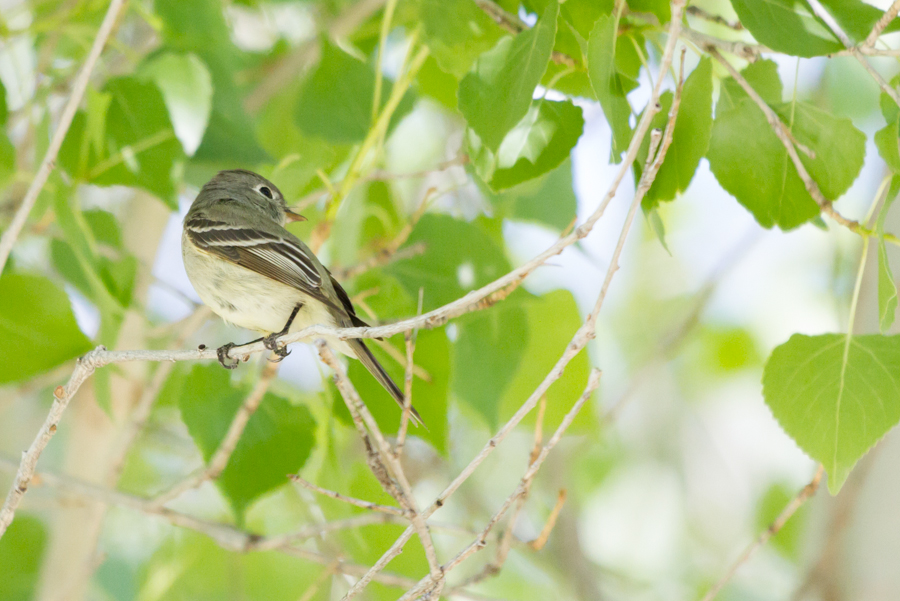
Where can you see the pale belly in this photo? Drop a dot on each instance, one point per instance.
(253, 301)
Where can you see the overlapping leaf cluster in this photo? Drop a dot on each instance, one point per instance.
(191, 101)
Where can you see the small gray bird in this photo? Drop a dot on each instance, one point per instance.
(254, 273)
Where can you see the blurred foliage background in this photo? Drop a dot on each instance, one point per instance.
(434, 145)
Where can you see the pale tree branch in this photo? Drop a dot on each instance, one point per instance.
(8, 239)
(883, 22)
(805, 493)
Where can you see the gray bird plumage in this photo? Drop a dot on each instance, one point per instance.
(254, 273)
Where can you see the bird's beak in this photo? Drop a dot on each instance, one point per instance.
(292, 216)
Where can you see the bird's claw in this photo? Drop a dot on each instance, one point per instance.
(226, 361)
(280, 351)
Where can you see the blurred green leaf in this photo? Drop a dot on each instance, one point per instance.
(458, 257)
(140, 145)
(191, 567)
(610, 86)
(542, 140)
(787, 26)
(690, 139)
(660, 8)
(751, 163)
(4, 109)
(552, 321)
(789, 537)
(457, 31)
(432, 354)
(887, 140)
(548, 200)
(37, 327)
(487, 354)
(21, 553)
(104, 227)
(496, 94)
(7, 159)
(728, 348)
(889, 108)
(434, 82)
(836, 395)
(276, 442)
(187, 90)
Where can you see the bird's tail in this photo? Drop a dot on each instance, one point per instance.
(368, 359)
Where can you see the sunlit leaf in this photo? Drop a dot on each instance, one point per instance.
(496, 94)
(542, 140)
(186, 86)
(660, 8)
(762, 77)
(887, 140)
(610, 86)
(835, 395)
(857, 18)
(37, 327)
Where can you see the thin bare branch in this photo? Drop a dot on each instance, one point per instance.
(696, 11)
(805, 493)
(351, 500)
(883, 22)
(8, 239)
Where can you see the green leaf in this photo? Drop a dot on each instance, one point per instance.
(436, 83)
(37, 327)
(582, 14)
(751, 163)
(199, 27)
(432, 354)
(458, 257)
(610, 86)
(787, 26)
(277, 440)
(7, 159)
(552, 321)
(762, 77)
(457, 31)
(4, 110)
(887, 140)
(190, 567)
(836, 395)
(335, 102)
(857, 18)
(187, 90)
(540, 142)
(487, 354)
(549, 200)
(21, 553)
(496, 94)
(690, 139)
(140, 147)
(660, 8)
(887, 288)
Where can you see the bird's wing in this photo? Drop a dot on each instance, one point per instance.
(268, 253)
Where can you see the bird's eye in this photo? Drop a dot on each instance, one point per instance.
(266, 191)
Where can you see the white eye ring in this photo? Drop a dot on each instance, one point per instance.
(265, 191)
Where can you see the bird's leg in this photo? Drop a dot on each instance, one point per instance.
(271, 341)
(227, 361)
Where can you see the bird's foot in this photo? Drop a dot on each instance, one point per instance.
(226, 361)
(280, 351)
